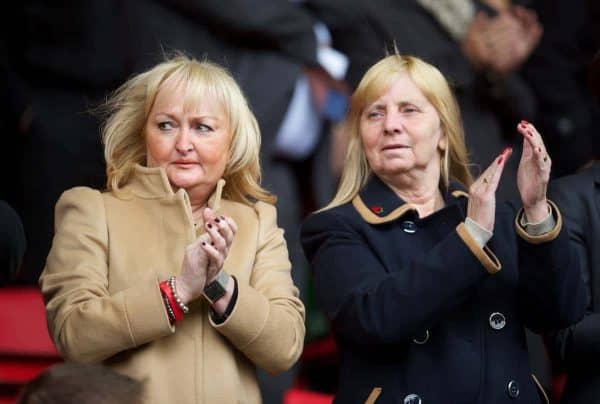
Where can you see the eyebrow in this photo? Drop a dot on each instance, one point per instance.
(197, 117)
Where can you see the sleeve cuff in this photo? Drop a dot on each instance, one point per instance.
(481, 235)
(247, 319)
(146, 314)
(528, 233)
(487, 258)
(543, 226)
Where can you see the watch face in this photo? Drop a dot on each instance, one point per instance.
(214, 291)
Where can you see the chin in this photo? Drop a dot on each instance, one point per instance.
(184, 181)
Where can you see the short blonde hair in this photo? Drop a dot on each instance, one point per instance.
(129, 106)
(434, 86)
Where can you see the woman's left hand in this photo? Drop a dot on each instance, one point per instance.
(533, 173)
(221, 230)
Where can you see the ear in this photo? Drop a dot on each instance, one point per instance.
(443, 142)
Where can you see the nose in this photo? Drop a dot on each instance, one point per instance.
(183, 143)
(392, 123)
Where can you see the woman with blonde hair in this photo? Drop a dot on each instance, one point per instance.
(177, 274)
(428, 282)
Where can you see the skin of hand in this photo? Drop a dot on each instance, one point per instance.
(190, 283)
(204, 258)
(221, 230)
(482, 193)
(501, 43)
(473, 45)
(533, 173)
(511, 37)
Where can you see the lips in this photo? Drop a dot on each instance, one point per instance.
(395, 147)
(185, 163)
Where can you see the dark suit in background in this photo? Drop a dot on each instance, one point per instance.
(61, 59)
(578, 346)
(558, 73)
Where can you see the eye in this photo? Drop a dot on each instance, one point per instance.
(202, 127)
(374, 114)
(165, 125)
(409, 109)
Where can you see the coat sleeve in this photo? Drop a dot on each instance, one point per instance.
(578, 343)
(551, 292)
(267, 321)
(281, 25)
(366, 304)
(86, 321)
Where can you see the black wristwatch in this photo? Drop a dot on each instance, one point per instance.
(216, 289)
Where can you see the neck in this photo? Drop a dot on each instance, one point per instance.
(419, 189)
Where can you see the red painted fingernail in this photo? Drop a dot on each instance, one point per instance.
(525, 122)
(500, 159)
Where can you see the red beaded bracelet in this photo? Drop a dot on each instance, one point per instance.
(166, 290)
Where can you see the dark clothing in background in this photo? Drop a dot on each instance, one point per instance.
(558, 72)
(62, 59)
(578, 347)
(414, 311)
(12, 243)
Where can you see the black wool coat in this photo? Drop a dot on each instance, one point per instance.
(421, 314)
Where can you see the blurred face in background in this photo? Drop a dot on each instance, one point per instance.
(401, 131)
(191, 142)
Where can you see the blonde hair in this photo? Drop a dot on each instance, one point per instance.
(129, 106)
(434, 86)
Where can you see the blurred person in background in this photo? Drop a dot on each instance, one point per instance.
(177, 274)
(577, 348)
(74, 383)
(558, 72)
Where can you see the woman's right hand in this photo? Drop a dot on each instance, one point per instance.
(482, 193)
(190, 283)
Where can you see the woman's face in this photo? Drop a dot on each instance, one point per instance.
(191, 145)
(401, 130)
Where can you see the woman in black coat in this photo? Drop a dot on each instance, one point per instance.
(428, 282)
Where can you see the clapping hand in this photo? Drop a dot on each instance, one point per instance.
(482, 193)
(221, 231)
(533, 173)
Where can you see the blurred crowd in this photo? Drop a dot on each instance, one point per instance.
(297, 61)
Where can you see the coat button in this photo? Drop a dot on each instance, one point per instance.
(409, 226)
(412, 399)
(497, 321)
(422, 339)
(513, 389)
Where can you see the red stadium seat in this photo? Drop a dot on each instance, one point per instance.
(25, 346)
(299, 396)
